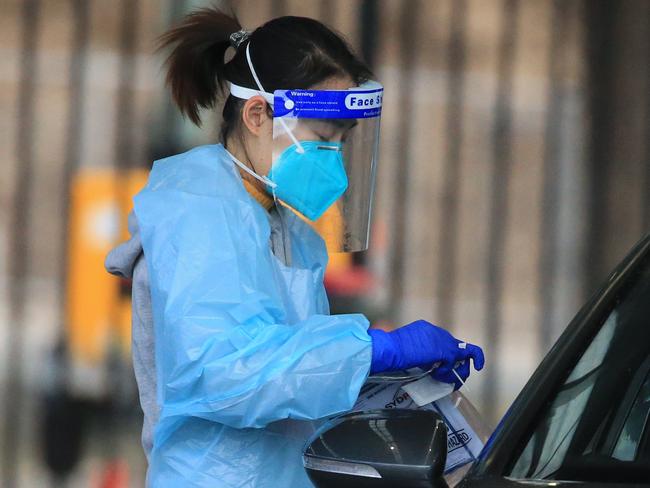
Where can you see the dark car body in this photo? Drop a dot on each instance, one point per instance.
(495, 465)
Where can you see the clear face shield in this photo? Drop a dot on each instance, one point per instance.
(324, 157)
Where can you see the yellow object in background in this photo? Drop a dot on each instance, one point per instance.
(97, 309)
(331, 227)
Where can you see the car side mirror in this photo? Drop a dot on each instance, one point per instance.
(379, 448)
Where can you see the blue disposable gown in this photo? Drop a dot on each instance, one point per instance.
(247, 356)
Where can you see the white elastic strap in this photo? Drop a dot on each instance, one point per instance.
(248, 93)
(250, 66)
(263, 179)
(262, 91)
(289, 132)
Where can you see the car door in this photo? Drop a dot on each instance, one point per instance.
(585, 414)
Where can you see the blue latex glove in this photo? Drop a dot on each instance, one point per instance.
(420, 344)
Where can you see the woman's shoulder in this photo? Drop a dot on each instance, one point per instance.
(197, 191)
(190, 184)
(204, 170)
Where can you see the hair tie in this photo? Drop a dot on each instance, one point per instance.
(236, 38)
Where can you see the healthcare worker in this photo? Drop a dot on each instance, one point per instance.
(236, 356)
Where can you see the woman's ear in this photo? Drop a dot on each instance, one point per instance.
(255, 115)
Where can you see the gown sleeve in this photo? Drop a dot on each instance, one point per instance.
(224, 351)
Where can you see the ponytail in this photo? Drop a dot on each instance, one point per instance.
(195, 66)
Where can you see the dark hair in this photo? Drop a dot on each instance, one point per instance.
(287, 52)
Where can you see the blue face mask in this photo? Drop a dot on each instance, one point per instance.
(312, 180)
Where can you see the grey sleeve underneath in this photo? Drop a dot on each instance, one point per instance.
(144, 364)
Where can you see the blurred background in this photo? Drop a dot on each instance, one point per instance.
(514, 173)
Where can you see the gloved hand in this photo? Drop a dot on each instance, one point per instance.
(420, 344)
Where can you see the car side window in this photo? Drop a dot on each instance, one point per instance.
(637, 423)
(547, 447)
(596, 424)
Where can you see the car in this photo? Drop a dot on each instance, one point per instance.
(583, 417)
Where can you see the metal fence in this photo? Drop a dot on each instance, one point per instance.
(514, 164)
